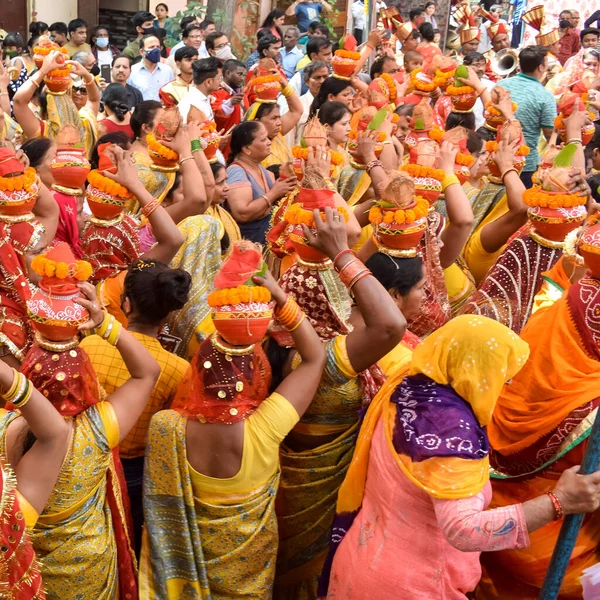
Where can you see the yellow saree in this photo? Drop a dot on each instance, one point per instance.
(208, 549)
(74, 537)
(280, 152)
(200, 256)
(311, 478)
(157, 183)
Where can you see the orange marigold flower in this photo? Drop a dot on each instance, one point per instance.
(464, 159)
(535, 196)
(423, 171)
(155, 146)
(348, 54)
(452, 90)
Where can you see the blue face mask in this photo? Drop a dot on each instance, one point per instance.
(102, 42)
(153, 55)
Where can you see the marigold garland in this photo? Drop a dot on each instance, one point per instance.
(494, 112)
(391, 84)
(464, 159)
(452, 90)
(423, 171)
(350, 54)
(59, 73)
(445, 75)
(241, 294)
(265, 79)
(160, 149)
(535, 196)
(300, 152)
(80, 269)
(44, 51)
(20, 182)
(381, 136)
(421, 85)
(296, 214)
(492, 146)
(400, 216)
(436, 133)
(107, 185)
(559, 123)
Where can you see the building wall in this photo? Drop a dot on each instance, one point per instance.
(51, 11)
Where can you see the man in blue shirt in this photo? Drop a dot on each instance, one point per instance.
(290, 53)
(536, 106)
(306, 12)
(150, 74)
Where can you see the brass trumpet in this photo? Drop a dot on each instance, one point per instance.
(505, 62)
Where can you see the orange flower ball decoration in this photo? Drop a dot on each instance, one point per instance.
(452, 90)
(464, 159)
(436, 133)
(535, 196)
(300, 152)
(107, 185)
(81, 269)
(160, 149)
(381, 136)
(400, 216)
(44, 51)
(21, 182)
(422, 171)
(348, 54)
(296, 215)
(242, 294)
(492, 110)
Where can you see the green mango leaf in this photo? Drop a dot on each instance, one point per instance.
(303, 143)
(419, 125)
(565, 157)
(261, 273)
(378, 119)
(385, 204)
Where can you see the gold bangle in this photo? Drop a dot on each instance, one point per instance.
(25, 397)
(13, 386)
(287, 91)
(507, 172)
(294, 327)
(182, 160)
(101, 329)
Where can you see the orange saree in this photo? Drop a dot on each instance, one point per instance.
(539, 429)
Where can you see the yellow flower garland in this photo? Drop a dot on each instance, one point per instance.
(107, 185)
(242, 294)
(81, 269)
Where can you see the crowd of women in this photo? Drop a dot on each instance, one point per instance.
(363, 363)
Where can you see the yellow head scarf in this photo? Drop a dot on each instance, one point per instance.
(476, 356)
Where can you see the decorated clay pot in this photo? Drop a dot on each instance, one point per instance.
(70, 168)
(19, 202)
(56, 316)
(428, 187)
(587, 133)
(268, 91)
(243, 324)
(161, 161)
(494, 119)
(589, 249)
(401, 236)
(344, 67)
(462, 172)
(414, 137)
(305, 252)
(103, 205)
(463, 102)
(555, 223)
(58, 84)
(212, 145)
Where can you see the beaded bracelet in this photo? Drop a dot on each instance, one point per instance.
(558, 509)
(195, 145)
(340, 254)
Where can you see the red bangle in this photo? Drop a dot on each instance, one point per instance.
(340, 254)
(559, 513)
(360, 276)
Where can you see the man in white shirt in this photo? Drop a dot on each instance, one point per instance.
(477, 61)
(150, 74)
(192, 38)
(207, 79)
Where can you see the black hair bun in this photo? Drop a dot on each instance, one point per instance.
(173, 287)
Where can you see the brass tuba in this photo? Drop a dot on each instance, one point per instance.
(505, 62)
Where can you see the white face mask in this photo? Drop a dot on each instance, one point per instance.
(224, 53)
